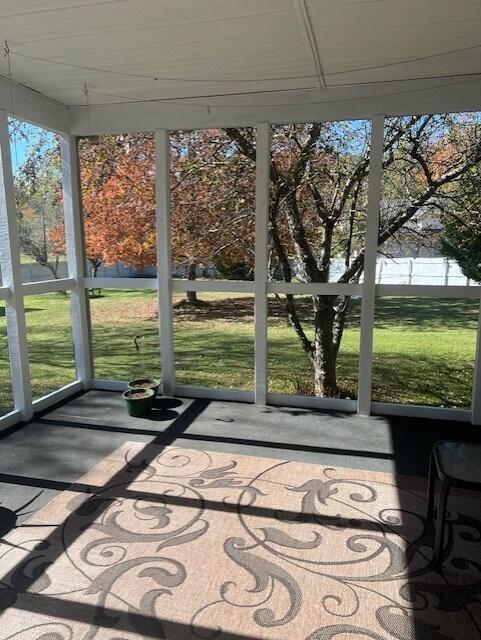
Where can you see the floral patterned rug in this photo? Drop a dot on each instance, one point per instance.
(181, 544)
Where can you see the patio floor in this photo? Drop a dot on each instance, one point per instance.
(166, 542)
(40, 459)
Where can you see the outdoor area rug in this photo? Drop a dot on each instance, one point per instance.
(183, 544)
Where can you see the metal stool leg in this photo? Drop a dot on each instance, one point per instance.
(431, 486)
(440, 516)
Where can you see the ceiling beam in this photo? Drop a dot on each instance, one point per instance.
(306, 25)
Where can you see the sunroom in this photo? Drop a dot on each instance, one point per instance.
(240, 251)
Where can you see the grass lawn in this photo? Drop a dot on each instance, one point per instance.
(424, 351)
(50, 347)
(424, 348)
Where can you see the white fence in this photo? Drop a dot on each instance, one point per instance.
(33, 272)
(426, 271)
(436, 271)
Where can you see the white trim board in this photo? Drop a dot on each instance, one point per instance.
(229, 286)
(263, 160)
(164, 260)
(420, 411)
(72, 200)
(449, 94)
(109, 385)
(5, 293)
(47, 286)
(368, 299)
(211, 393)
(304, 402)
(29, 105)
(311, 402)
(58, 395)
(184, 391)
(11, 274)
(10, 419)
(314, 288)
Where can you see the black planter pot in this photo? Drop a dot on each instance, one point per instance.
(139, 402)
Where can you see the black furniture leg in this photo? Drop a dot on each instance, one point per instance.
(431, 486)
(440, 516)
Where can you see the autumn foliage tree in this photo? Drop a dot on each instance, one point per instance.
(317, 213)
(317, 210)
(212, 202)
(118, 198)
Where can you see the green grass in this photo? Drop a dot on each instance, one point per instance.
(118, 316)
(424, 351)
(289, 370)
(424, 348)
(50, 347)
(214, 345)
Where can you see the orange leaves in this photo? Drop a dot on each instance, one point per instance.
(212, 199)
(119, 200)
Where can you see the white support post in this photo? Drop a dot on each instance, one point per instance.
(75, 259)
(476, 399)
(11, 273)
(263, 160)
(164, 261)
(370, 257)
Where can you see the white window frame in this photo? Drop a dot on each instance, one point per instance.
(14, 291)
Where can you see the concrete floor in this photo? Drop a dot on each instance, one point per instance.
(41, 458)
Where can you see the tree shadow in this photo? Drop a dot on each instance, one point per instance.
(414, 379)
(426, 313)
(228, 309)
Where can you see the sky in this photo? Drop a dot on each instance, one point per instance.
(18, 150)
(21, 137)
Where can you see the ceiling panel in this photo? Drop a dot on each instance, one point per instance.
(363, 41)
(209, 48)
(194, 47)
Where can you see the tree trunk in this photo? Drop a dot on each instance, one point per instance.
(324, 355)
(95, 292)
(191, 275)
(53, 268)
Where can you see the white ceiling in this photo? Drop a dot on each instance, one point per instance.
(199, 48)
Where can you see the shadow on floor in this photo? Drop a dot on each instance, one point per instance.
(410, 444)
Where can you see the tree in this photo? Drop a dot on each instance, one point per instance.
(39, 209)
(317, 210)
(317, 207)
(118, 199)
(212, 202)
(461, 239)
(118, 196)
